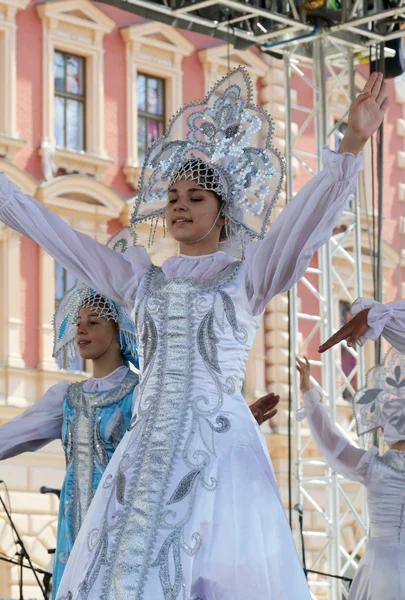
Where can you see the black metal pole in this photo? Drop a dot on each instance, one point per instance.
(23, 553)
(348, 579)
(17, 562)
(21, 575)
(380, 180)
(304, 562)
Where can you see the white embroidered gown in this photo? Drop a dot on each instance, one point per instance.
(381, 573)
(188, 508)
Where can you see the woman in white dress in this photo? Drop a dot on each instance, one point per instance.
(189, 507)
(381, 573)
(89, 417)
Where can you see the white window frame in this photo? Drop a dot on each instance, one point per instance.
(157, 50)
(89, 218)
(77, 27)
(10, 269)
(216, 64)
(10, 141)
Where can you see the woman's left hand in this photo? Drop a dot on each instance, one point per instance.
(264, 408)
(365, 114)
(304, 369)
(351, 331)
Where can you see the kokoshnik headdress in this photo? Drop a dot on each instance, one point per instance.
(381, 404)
(224, 144)
(81, 296)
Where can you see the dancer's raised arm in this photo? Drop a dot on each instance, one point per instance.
(341, 455)
(372, 319)
(40, 424)
(93, 263)
(275, 263)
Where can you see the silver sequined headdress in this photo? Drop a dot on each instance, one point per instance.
(224, 144)
(81, 296)
(381, 404)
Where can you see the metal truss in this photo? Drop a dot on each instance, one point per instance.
(330, 503)
(275, 24)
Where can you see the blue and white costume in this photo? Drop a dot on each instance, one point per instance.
(90, 417)
(93, 425)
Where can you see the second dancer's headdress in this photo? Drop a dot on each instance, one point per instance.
(381, 404)
(224, 144)
(81, 296)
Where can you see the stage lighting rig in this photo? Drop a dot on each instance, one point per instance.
(271, 24)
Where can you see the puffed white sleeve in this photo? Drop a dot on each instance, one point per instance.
(110, 273)
(339, 452)
(40, 424)
(387, 320)
(277, 262)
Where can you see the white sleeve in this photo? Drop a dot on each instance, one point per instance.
(110, 273)
(387, 320)
(40, 424)
(277, 262)
(341, 455)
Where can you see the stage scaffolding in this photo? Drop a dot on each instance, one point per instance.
(355, 23)
(330, 77)
(320, 49)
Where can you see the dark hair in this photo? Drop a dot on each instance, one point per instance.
(223, 235)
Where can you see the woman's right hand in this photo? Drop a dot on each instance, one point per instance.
(304, 369)
(352, 331)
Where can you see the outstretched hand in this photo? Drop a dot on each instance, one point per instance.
(351, 332)
(264, 408)
(365, 115)
(304, 369)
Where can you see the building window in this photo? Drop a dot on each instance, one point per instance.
(69, 101)
(348, 361)
(151, 112)
(63, 282)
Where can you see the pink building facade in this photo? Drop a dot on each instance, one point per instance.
(86, 88)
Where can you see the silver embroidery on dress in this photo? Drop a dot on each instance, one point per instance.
(85, 446)
(100, 452)
(142, 499)
(68, 442)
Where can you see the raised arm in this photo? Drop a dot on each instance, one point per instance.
(109, 272)
(40, 424)
(370, 320)
(277, 262)
(387, 320)
(341, 455)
